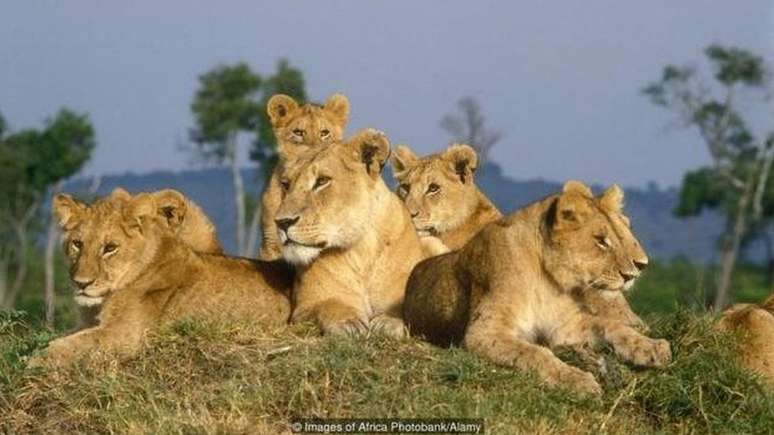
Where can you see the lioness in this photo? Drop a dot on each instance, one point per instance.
(443, 199)
(756, 324)
(124, 251)
(183, 217)
(297, 128)
(349, 236)
(515, 286)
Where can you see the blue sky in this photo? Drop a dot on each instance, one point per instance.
(559, 79)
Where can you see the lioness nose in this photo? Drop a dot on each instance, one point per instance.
(627, 276)
(640, 265)
(82, 283)
(284, 224)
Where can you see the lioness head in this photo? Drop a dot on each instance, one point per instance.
(308, 124)
(109, 242)
(438, 190)
(589, 240)
(328, 196)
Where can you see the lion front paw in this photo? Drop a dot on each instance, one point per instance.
(647, 352)
(579, 380)
(389, 326)
(353, 326)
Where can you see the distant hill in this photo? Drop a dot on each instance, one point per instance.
(663, 235)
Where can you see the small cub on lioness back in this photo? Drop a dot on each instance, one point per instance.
(297, 129)
(444, 201)
(123, 251)
(517, 284)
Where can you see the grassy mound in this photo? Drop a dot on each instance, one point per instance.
(214, 377)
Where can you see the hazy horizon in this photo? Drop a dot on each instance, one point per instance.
(557, 80)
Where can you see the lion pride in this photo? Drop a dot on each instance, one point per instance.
(516, 285)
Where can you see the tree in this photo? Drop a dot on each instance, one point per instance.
(738, 179)
(224, 106)
(468, 127)
(31, 161)
(289, 81)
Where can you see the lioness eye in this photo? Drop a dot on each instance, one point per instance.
(109, 248)
(403, 190)
(77, 244)
(602, 241)
(285, 184)
(325, 133)
(321, 181)
(432, 188)
(298, 132)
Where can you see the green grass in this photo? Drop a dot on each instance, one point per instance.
(195, 377)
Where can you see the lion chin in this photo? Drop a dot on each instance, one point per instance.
(299, 254)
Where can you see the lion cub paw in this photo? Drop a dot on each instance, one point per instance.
(579, 380)
(390, 326)
(647, 352)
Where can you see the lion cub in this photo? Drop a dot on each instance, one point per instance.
(442, 197)
(756, 322)
(349, 236)
(123, 251)
(516, 285)
(297, 128)
(183, 217)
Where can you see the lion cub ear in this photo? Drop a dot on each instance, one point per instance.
(137, 211)
(338, 106)
(577, 187)
(463, 160)
(571, 209)
(120, 193)
(372, 148)
(613, 199)
(279, 108)
(402, 160)
(68, 211)
(171, 205)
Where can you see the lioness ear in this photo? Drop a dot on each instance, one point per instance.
(171, 205)
(577, 187)
(373, 149)
(612, 199)
(402, 160)
(570, 211)
(120, 193)
(463, 160)
(68, 211)
(279, 107)
(338, 106)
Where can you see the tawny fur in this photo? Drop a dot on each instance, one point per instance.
(183, 217)
(756, 325)
(517, 285)
(349, 236)
(297, 128)
(124, 251)
(443, 199)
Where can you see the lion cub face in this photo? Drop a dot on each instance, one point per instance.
(328, 195)
(308, 124)
(589, 241)
(107, 243)
(438, 190)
